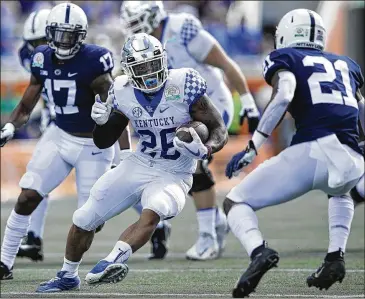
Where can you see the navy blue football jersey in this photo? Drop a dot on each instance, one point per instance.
(25, 55)
(67, 83)
(324, 102)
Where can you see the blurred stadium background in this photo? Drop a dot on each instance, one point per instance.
(245, 29)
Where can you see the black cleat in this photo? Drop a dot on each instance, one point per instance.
(330, 272)
(261, 262)
(31, 248)
(5, 273)
(159, 242)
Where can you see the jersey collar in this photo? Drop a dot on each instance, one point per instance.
(150, 105)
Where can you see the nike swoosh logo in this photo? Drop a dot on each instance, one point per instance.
(163, 110)
(97, 153)
(71, 75)
(197, 154)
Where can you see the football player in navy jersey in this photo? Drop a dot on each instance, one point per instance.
(322, 92)
(71, 73)
(34, 35)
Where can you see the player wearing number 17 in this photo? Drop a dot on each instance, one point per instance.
(321, 90)
(71, 73)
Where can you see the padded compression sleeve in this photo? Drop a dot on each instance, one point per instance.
(106, 135)
(278, 106)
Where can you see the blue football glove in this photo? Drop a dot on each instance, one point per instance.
(240, 160)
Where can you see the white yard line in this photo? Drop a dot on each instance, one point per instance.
(196, 270)
(131, 295)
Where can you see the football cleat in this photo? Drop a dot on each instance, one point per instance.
(60, 284)
(328, 273)
(5, 272)
(262, 262)
(206, 248)
(159, 241)
(107, 272)
(31, 248)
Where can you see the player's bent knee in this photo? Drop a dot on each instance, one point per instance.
(202, 181)
(227, 205)
(28, 201)
(86, 220)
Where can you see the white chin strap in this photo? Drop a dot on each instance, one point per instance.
(64, 57)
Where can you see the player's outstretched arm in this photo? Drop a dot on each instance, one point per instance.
(107, 134)
(21, 113)
(284, 84)
(204, 111)
(361, 104)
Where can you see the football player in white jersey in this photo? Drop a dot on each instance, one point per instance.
(189, 45)
(321, 90)
(156, 101)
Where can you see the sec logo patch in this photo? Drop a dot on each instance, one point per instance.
(137, 112)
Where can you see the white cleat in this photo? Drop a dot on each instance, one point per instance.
(206, 248)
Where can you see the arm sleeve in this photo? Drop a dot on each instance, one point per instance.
(106, 135)
(276, 60)
(197, 40)
(194, 88)
(279, 104)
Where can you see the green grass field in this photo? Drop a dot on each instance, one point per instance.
(298, 230)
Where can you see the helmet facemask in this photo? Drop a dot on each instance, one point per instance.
(66, 40)
(149, 74)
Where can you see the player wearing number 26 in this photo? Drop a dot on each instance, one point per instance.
(322, 92)
(71, 73)
(160, 172)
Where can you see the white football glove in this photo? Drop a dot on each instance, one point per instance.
(7, 133)
(100, 111)
(195, 149)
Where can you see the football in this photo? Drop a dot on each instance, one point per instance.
(183, 133)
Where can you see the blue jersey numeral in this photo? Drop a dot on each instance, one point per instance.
(164, 144)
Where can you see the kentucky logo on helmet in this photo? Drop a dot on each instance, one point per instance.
(38, 60)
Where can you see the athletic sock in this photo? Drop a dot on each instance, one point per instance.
(71, 268)
(16, 229)
(206, 221)
(220, 217)
(38, 218)
(340, 214)
(243, 223)
(120, 253)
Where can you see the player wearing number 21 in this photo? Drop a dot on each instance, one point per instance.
(71, 73)
(321, 90)
(159, 174)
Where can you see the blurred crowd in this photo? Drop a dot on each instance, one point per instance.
(223, 19)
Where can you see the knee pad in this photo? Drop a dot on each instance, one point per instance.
(356, 195)
(86, 220)
(202, 181)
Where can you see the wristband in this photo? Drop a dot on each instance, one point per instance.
(258, 139)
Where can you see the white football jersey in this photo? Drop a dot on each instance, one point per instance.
(156, 118)
(187, 45)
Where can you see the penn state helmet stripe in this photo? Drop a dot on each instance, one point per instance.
(313, 25)
(68, 9)
(33, 21)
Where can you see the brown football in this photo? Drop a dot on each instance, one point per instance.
(183, 133)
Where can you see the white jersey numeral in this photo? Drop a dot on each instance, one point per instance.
(267, 64)
(107, 61)
(70, 107)
(315, 80)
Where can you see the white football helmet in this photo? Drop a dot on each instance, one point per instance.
(34, 31)
(301, 28)
(144, 61)
(66, 29)
(141, 16)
